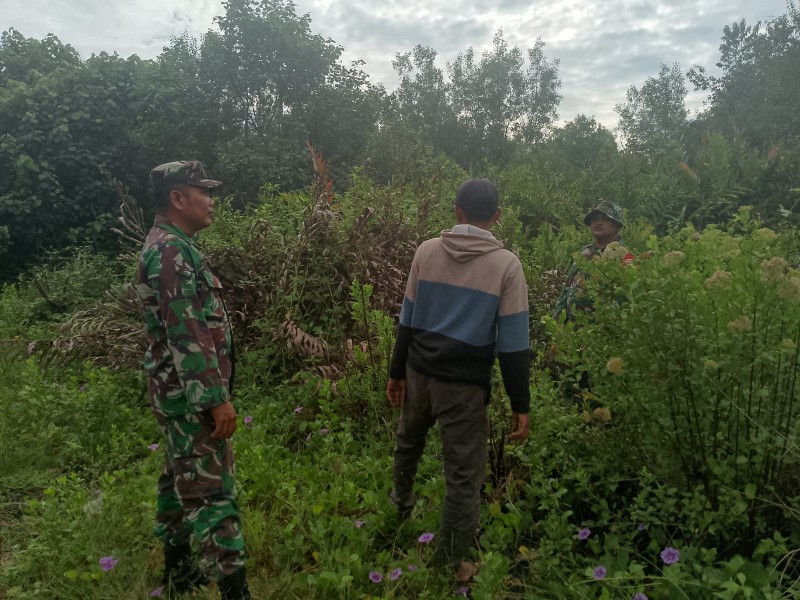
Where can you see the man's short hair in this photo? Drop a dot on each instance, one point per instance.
(478, 198)
(161, 199)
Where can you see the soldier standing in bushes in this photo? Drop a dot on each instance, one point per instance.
(190, 367)
(605, 223)
(466, 303)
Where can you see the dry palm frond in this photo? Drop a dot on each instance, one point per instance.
(332, 372)
(322, 191)
(109, 333)
(299, 342)
(134, 229)
(378, 252)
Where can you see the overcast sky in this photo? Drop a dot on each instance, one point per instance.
(603, 46)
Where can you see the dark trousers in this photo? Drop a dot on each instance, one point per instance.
(460, 410)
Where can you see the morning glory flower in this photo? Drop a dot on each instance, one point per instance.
(670, 555)
(107, 563)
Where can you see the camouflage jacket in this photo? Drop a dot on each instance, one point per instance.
(189, 359)
(572, 296)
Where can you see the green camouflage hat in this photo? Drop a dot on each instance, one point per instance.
(171, 174)
(609, 209)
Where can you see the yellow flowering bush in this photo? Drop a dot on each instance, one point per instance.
(718, 280)
(789, 286)
(740, 325)
(773, 269)
(615, 365)
(674, 258)
(765, 235)
(614, 251)
(707, 340)
(602, 414)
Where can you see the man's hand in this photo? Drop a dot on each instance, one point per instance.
(396, 392)
(520, 427)
(224, 421)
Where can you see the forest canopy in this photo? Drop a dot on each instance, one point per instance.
(247, 95)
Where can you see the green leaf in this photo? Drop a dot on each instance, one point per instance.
(750, 491)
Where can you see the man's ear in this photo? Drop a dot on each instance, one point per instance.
(461, 218)
(496, 216)
(176, 199)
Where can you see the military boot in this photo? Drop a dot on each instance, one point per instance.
(180, 573)
(234, 587)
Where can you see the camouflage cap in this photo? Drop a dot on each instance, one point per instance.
(609, 209)
(175, 173)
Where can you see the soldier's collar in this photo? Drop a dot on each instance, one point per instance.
(164, 223)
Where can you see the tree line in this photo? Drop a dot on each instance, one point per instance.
(247, 95)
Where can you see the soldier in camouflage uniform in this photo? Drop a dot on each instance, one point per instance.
(604, 222)
(190, 367)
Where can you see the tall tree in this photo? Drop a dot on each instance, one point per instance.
(422, 99)
(24, 59)
(653, 120)
(245, 99)
(581, 144)
(64, 123)
(484, 105)
(756, 94)
(277, 83)
(499, 98)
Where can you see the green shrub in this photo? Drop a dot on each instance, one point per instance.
(698, 367)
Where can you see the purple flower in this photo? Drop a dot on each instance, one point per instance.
(463, 591)
(359, 523)
(157, 592)
(640, 596)
(298, 409)
(375, 577)
(152, 447)
(584, 533)
(107, 563)
(412, 567)
(641, 527)
(600, 572)
(324, 431)
(670, 555)
(425, 538)
(395, 574)
(248, 419)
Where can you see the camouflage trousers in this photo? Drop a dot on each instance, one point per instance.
(196, 494)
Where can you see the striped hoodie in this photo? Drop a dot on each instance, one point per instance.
(466, 302)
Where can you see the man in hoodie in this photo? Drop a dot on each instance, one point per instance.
(466, 303)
